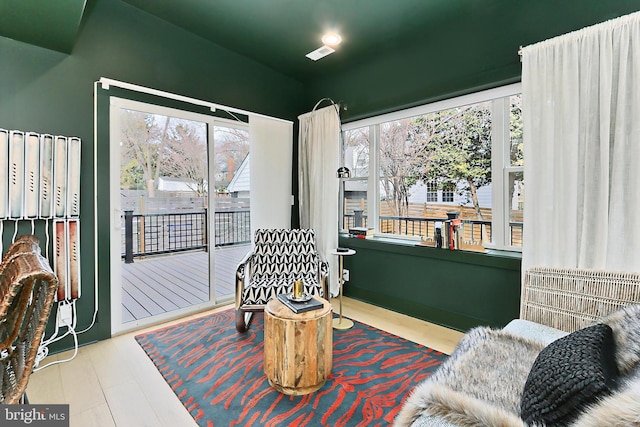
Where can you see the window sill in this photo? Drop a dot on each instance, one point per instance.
(505, 252)
(415, 242)
(513, 251)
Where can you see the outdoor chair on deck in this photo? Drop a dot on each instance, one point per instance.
(278, 258)
(27, 289)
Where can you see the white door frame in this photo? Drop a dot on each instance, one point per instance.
(116, 104)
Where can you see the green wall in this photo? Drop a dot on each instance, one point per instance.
(452, 288)
(51, 92)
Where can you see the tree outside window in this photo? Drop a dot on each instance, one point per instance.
(441, 161)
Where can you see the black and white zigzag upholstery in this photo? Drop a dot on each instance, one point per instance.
(279, 257)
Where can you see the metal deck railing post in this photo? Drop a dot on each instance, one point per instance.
(128, 237)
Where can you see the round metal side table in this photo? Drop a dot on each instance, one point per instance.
(341, 323)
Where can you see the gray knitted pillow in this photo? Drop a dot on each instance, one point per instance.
(569, 374)
(626, 333)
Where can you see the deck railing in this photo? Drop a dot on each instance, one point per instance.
(473, 230)
(153, 234)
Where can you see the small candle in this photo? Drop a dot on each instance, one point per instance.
(298, 288)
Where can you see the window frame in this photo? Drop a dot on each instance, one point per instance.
(500, 161)
(448, 192)
(432, 191)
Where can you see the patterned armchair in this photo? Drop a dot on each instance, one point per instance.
(279, 257)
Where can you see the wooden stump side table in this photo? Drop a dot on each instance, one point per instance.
(298, 347)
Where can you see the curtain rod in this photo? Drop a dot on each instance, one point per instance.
(340, 105)
(106, 83)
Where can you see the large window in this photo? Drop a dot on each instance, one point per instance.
(355, 153)
(457, 159)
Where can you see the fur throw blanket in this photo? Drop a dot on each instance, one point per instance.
(479, 385)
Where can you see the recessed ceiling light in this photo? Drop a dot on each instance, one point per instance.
(320, 52)
(331, 39)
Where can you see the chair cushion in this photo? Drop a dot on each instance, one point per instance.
(568, 375)
(262, 290)
(285, 253)
(285, 236)
(534, 331)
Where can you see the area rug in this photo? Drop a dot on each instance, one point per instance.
(218, 375)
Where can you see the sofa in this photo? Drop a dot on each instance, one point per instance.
(571, 359)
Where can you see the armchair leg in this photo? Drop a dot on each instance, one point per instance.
(243, 319)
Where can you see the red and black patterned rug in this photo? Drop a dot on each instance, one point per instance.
(218, 375)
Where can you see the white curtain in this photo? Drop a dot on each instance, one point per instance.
(270, 178)
(318, 161)
(581, 106)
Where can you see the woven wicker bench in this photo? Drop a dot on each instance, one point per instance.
(555, 302)
(569, 299)
(27, 289)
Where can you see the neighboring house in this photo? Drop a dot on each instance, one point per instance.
(239, 185)
(357, 159)
(421, 193)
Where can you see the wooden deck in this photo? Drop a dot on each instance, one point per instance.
(165, 283)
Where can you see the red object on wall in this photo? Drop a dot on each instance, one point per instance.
(453, 225)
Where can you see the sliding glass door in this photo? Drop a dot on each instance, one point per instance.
(162, 233)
